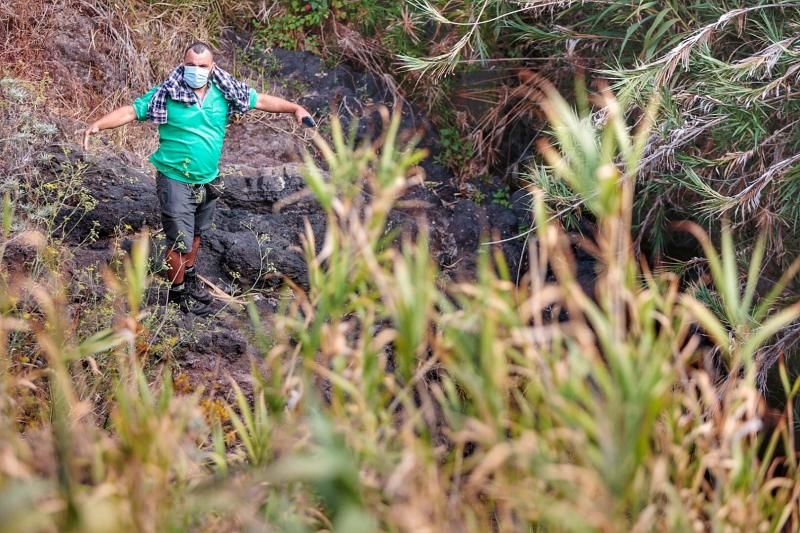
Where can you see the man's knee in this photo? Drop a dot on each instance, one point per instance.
(176, 240)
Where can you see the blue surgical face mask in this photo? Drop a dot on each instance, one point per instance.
(195, 77)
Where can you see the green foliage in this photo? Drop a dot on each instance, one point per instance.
(455, 150)
(502, 197)
(602, 396)
(725, 142)
(299, 21)
(291, 29)
(252, 426)
(394, 401)
(565, 203)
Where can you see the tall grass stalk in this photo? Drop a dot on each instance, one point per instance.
(397, 401)
(504, 417)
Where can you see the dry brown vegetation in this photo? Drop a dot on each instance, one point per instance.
(392, 399)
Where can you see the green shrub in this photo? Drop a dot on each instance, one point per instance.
(454, 150)
(394, 401)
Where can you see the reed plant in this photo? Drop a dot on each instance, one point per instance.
(395, 400)
(488, 413)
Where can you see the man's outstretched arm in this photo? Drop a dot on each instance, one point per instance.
(274, 104)
(118, 117)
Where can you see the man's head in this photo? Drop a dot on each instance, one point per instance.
(198, 62)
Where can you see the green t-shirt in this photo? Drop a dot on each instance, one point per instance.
(190, 143)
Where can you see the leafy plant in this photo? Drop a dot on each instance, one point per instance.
(454, 150)
(722, 144)
(389, 399)
(502, 197)
(292, 28)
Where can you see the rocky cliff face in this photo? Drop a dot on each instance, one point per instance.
(260, 169)
(261, 215)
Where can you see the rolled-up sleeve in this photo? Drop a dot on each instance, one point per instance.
(253, 98)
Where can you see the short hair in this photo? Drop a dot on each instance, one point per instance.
(198, 47)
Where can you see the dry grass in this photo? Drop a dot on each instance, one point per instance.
(395, 401)
(368, 54)
(98, 55)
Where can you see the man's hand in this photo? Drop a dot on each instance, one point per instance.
(275, 104)
(91, 130)
(118, 117)
(301, 113)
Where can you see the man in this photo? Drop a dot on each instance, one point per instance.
(192, 108)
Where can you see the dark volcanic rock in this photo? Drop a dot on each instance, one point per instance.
(466, 224)
(258, 263)
(505, 227)
(521, 204)
(228, 342)
(264, 207)
(125, 196)
(258, 189)
(502, 220)
(252, 241)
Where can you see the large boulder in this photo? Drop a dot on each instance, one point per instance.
(259, 223)
(260, 217)
(262, 214)
(466, 223)
(259, 189)
(106, 196)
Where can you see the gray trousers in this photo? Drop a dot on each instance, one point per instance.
(187, 210)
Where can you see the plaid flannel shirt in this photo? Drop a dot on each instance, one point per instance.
(235, 92)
